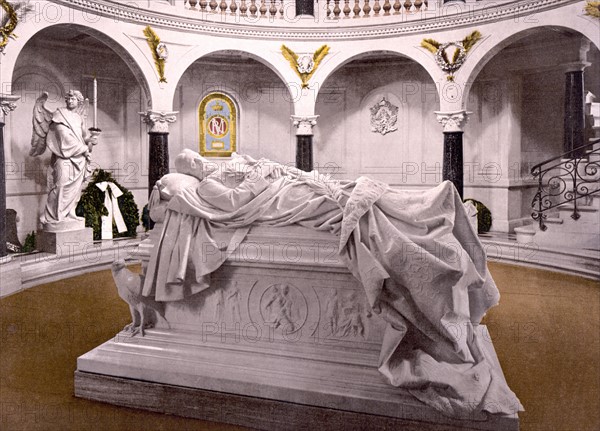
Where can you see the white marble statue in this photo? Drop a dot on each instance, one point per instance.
(63, 132)
(419, 260)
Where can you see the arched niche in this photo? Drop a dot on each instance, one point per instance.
(263, 102)
(352, 98)
(55, 60)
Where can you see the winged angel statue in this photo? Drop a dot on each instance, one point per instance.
(63, 132)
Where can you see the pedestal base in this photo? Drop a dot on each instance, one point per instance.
(233, 377)
(10, 276)
(65, 242)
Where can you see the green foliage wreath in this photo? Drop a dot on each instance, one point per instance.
(91, 206)
(484, 216)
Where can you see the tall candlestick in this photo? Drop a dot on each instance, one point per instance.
(95, 102)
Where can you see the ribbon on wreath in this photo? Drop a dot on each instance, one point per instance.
(111, 193)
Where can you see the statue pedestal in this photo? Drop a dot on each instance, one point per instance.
(66, 242)
(10, 276)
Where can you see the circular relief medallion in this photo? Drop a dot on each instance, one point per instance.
(284, 306)
(217, 126)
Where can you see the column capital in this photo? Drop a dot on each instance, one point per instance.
(453, 121)
(7, 105)
(576, 66)
(304, 124)
(159, 121)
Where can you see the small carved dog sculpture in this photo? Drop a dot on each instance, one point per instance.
(129, 286)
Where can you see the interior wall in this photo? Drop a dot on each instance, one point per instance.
(344, 142)
(264, 105)
(58, 68)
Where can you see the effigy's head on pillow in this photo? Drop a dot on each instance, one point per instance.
(191, 163)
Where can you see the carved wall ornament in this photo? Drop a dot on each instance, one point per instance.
(305, 65)
(159, 121)
(592, 8)
(384, 116)
(13, 13)
(442, 50)
(160, 52)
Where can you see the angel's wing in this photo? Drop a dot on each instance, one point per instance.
(41, 123)
(82, 109)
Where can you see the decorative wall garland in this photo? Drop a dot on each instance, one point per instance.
(10, 20)
(305, 65)
(160, 52)
(460, 54)
(592, 8)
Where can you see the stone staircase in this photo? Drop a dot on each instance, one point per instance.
(563, 228)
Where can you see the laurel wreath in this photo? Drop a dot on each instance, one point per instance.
(292, 57)
(153, 42)
(460, 55)
(592, 8)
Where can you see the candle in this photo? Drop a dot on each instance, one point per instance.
(95, 102)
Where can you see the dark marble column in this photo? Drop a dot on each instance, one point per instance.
(304, 140)
(452, 169)
(304, 153)
(574, 110)
(305, 7)
(6, 105)
(158, 158)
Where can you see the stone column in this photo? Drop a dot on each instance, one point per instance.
(574, 107)
(7, 104)
(452, 169)
(304, 140)
(159, 144)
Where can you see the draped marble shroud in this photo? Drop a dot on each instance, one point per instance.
(420, 262)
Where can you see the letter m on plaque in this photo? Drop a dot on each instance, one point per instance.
(217, 114)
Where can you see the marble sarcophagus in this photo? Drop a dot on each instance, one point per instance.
(283, 339)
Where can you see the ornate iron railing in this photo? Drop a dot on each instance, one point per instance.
(566, 178)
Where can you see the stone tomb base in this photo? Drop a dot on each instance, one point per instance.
(65, 242)
(282, 339)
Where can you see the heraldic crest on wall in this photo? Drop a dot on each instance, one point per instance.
(218, 119)
(384, 117)
(305, 65)
(442, 50)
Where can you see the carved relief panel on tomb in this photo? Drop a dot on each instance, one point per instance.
(218, 116)
(345, 315)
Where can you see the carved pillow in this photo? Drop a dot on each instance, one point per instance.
(171, 184)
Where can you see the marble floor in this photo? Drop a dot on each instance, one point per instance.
(546, 332)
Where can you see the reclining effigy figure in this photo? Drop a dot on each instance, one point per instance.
(415, 253)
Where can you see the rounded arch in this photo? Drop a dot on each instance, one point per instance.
(490, 47)
(121, 46)
(345, 56)
(260, 55)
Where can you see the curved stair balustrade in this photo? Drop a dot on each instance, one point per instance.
(566, 179)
